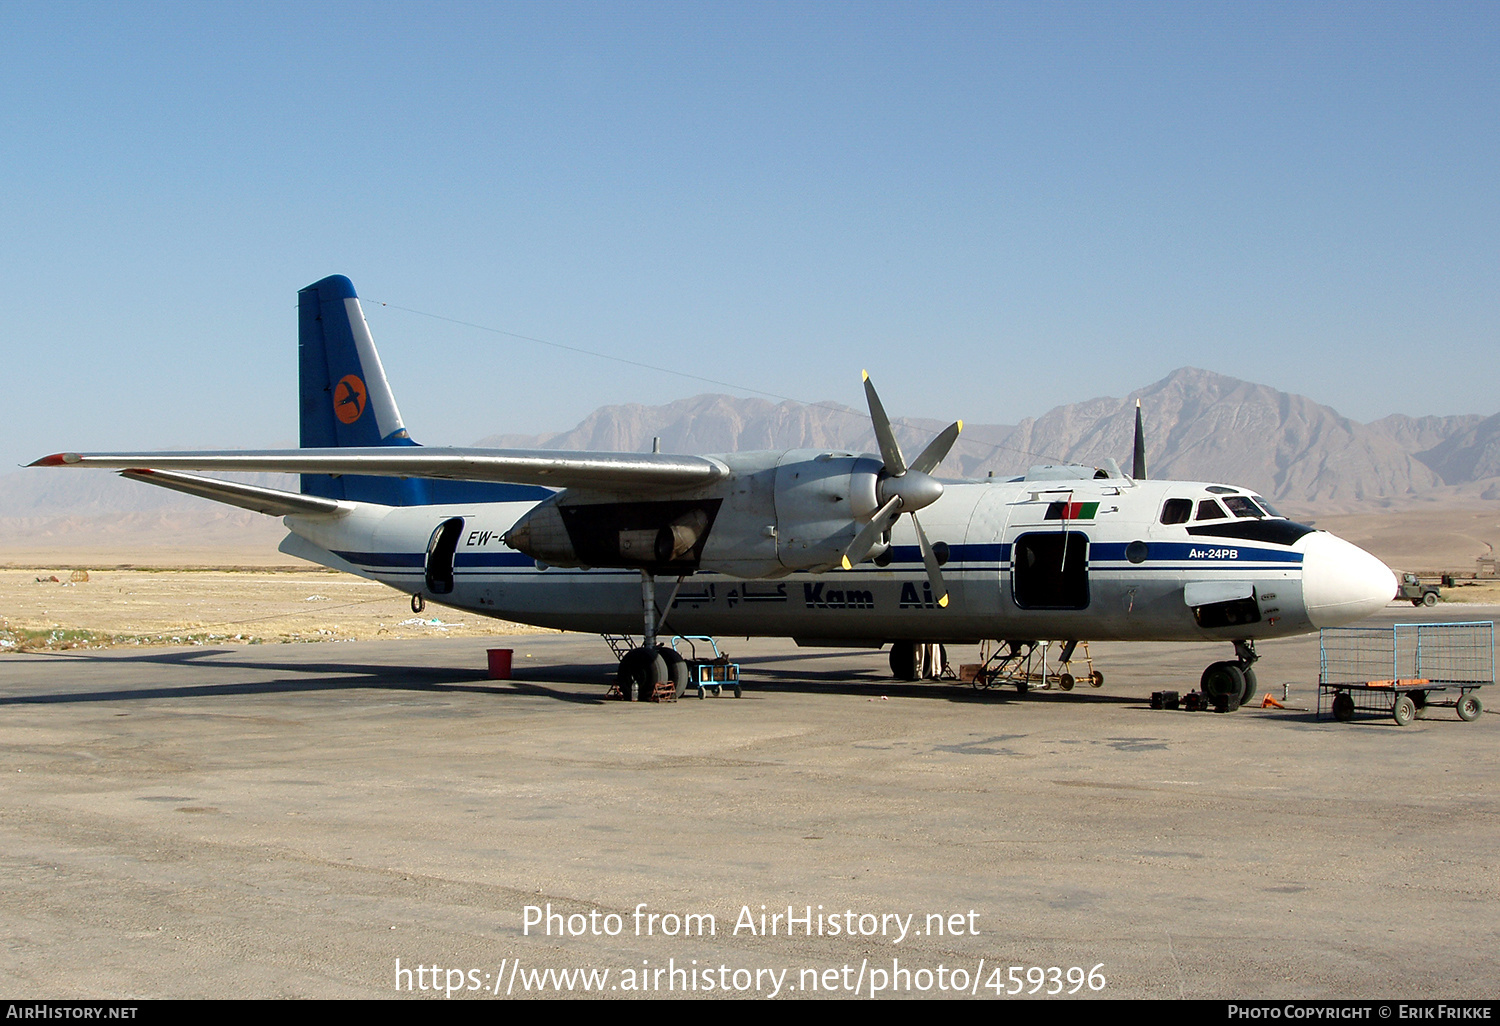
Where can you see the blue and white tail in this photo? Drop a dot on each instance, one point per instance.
(347, 401)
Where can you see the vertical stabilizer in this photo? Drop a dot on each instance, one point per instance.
(346, 401)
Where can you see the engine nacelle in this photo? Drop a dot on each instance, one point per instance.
(664, 537)
(776, 513)
(822, 500)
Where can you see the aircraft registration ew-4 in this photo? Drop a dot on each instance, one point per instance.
(823, 546)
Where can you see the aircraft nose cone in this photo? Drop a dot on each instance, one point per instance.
(1341, 582)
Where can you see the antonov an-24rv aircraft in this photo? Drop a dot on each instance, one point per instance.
(807, 544)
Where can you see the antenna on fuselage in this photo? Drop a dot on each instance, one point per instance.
(1138, 465)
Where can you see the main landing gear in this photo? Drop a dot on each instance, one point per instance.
(645, 670)
(1231, 684)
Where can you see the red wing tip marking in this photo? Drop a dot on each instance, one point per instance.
(57, 459)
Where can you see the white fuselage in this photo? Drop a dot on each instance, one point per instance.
(1135, 581)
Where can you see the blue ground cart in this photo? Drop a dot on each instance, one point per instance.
(706, 674)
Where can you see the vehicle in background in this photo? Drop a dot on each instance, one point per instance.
(1420, 594)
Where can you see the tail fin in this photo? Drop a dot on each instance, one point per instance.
(346, 401)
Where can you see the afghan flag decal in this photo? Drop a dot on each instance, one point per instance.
(1072, 510)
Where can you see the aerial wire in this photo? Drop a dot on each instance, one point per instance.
(846, 411)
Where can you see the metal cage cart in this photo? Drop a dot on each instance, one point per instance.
(714, 674)
(1395, 671)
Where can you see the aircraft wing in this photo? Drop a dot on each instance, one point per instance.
(609, 471)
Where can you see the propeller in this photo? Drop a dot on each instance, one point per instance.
(1138, 470)
(903, 488)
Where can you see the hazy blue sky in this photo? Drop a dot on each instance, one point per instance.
(996, 208)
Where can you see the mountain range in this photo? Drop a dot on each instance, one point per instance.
(1199, 426)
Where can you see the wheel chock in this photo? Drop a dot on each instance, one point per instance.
(1270, 703)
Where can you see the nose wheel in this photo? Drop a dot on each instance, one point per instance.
(1231, 684)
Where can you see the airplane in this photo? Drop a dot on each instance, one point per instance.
(822, 546)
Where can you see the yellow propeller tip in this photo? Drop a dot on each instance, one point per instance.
(960, 427)
(847, 565)
(864, 375)
(943, 602)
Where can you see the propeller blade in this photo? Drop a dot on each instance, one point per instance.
(1138, 470)
(934, 574)
(890, 452)
(937, 449)
(865, 540)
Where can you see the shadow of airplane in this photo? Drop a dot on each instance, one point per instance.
(760, 675)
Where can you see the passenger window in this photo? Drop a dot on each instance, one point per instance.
(1242, 507)
(1177, 511)
(1208, 509)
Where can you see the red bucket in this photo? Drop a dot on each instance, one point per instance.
(500, 663)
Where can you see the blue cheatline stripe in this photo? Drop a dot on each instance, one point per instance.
(988, 557)
(392, 559)
(1252, 559)
(468, 559)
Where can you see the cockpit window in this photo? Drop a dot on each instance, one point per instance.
(1176, 511)
(1270, 509)
(1242, 507)
(1208, 509)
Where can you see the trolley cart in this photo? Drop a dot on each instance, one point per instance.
(1397, 671)
(705, 674)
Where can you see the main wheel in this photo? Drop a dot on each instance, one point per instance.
(1223, 682)
(904, 663)
(1469, 707)
(639, 671)
(1403, 710)
(677, 670)
(1343, 707)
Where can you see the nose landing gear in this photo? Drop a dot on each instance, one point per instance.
(1231, 684)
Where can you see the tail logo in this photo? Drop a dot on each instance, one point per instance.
(349, 398)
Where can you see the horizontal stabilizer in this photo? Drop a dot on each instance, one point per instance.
(552, 468)
(272, 502)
